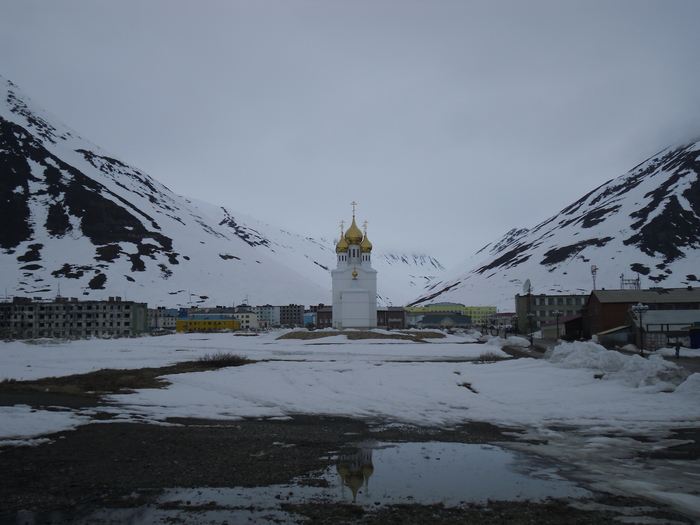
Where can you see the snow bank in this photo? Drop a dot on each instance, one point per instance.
(633, 370)
(513, 340)
(690, 385)
(685, 352)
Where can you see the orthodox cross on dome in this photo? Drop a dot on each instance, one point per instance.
(353, 204)
(364, 226)
(342, 227)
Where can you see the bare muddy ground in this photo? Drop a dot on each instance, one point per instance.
(109, 464)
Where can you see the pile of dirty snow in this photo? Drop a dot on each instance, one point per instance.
(654, 373)
(513, 340)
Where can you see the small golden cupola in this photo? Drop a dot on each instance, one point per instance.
(342, 246)
(365, 245)
(354, 234)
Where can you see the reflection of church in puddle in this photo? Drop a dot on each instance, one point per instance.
(354, 471)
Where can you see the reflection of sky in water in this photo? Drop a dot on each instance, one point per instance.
(453, 473)
(379, 473)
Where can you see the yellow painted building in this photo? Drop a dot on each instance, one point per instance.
(207, 323)
(478, 314)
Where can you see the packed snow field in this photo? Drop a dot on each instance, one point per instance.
(581, 384)
(586, 402)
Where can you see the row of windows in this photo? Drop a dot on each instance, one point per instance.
(671, 306)
(68, 316)
(208, 323)
(550, 313)
(67, 308)
(49, 333)
(80, 325)
(558, 301)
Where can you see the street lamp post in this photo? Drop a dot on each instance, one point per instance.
(557, 314)
(639, 309)
(530, 316)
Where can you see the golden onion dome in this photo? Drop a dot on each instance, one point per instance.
(354, 234)
(365, 245)
(342, 246)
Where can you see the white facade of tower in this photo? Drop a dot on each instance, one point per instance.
(354, 281)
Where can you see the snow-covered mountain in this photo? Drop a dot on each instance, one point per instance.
(645, 223)
(81, 223)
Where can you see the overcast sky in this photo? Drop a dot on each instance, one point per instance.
(448, 122)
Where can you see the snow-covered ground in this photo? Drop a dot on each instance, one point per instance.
(584, 401)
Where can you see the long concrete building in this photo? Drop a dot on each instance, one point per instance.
(26, 318)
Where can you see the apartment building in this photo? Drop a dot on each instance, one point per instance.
(533, 311)
(26, 318)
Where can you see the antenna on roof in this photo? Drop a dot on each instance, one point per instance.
(630, 284)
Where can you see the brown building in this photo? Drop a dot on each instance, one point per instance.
(324, 317)
(607, 309)
(391, 317)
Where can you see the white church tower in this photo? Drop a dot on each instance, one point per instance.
(354, 280)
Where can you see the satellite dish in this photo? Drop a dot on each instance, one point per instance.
(527, 287)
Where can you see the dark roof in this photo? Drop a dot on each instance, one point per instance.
(650, 295)
(564, 319)
(435, 319)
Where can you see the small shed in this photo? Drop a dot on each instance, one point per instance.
(618, 336)
(569, 328)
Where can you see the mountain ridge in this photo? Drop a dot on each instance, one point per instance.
(646, 221)
(80, 222)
